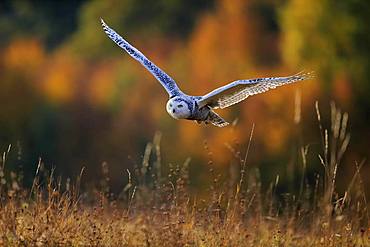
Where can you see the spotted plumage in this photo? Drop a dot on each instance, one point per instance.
(200, 108)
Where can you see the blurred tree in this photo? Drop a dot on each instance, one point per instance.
(333, 36)
(172, 18)
(21, 103)
(50, 21)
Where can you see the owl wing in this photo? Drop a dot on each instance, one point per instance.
(167, 82)
(237, 91)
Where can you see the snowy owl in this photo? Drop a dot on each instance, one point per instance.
(200, 108)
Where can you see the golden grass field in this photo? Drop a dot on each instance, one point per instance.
(158, 207)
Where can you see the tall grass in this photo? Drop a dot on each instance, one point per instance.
(158, 208)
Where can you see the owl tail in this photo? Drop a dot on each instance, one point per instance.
(216, 120)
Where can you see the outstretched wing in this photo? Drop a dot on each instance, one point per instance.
(167, 82)
(237, 91)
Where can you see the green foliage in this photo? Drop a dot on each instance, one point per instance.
(333, 36)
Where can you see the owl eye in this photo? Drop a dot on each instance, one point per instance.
(170, 105)
(180, 106)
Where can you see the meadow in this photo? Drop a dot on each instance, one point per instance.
(159, 207)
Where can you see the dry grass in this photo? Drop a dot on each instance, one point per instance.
(157, 209)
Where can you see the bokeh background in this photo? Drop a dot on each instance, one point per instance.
(69, 95)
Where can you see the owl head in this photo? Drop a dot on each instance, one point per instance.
(178, 108)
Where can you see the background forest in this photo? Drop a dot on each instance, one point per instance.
(71, 97)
